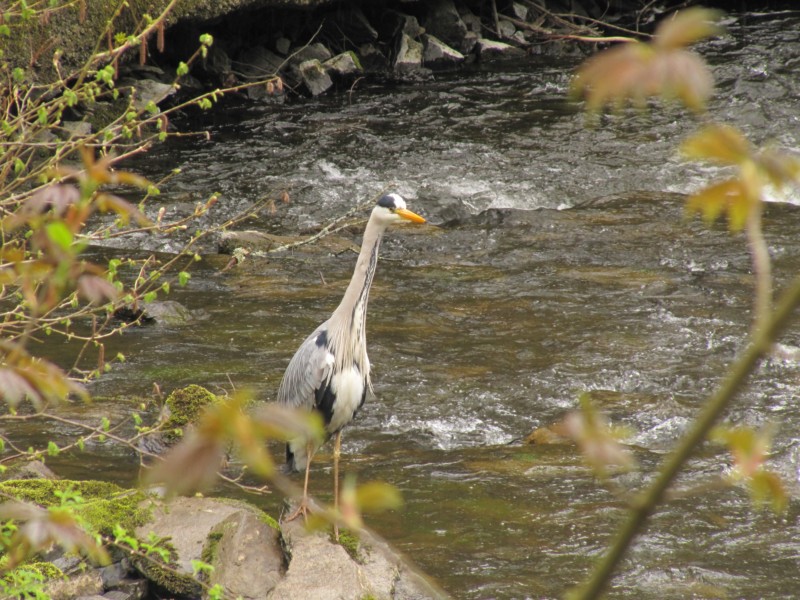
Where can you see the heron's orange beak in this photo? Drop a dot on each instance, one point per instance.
(411, 216)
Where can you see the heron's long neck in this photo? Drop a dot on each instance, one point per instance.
(349, 320)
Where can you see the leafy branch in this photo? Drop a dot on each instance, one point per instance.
(664, 68)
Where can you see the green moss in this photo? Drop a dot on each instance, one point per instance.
(350, 543)
(265, 518)
(39, 571)
(105, 504)
(209, 552)
(167, 576)
(185, 407)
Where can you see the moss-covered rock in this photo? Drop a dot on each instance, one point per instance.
(105, 504)
(183, 407)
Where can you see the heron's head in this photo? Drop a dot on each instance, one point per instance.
(391, 208)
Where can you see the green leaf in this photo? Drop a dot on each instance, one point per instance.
(150, 296)
(42, 115)
(19, 166)
(198, 566)
(18, 74)
(60, 234)
(105, 424)
(71, 97)
(53, 449)
(182, 69)
(183, 278)
(4, 30)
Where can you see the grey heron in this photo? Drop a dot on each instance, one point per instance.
(330, 372)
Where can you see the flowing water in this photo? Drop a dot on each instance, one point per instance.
(560, 264)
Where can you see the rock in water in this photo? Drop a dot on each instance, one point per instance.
(315, 77)
(343, 65)
(438, 55)
(409, 55)
(491, 50)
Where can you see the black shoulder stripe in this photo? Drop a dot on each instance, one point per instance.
(325, 399)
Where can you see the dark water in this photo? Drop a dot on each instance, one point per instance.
(562, 265)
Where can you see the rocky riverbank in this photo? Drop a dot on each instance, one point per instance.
(314, 45)
(250, 554)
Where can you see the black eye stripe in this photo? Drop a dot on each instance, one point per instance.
(388, 201)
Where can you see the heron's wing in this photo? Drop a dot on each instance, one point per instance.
(308, 370)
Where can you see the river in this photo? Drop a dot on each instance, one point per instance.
(558, 262)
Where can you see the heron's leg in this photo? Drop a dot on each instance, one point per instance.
(337, 451)
(303, 508)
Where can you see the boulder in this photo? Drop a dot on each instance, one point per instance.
(148, 90)
(315, 51)
(345, 64)
(492, 50)
(234, 537)
(373, 60)
(182, 410)
(392, 23)
(439, 55)
(315, 77)
(444, 21)
(282, 45)
(519, 11)
(76, 129)
(166, 313)
(32, 469)
(320, 569)
(409, 55)
(259, 63)
(351, 23)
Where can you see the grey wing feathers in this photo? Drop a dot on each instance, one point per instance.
(309, 368)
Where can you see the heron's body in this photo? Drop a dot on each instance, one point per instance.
(330, 371)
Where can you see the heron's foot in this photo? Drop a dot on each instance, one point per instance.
(302, 509)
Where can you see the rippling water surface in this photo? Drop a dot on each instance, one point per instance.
(562, 265)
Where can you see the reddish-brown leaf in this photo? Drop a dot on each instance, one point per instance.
(190, 466)
(96, 290)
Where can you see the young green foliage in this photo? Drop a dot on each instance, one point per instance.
(757, 169)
